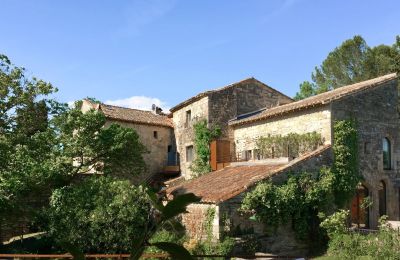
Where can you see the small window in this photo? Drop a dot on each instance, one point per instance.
(382, 198)
(155, 134)
(387, 160)
(169, 148)
(367, 148)
(188, 117)
(248, 155)
(189, 153)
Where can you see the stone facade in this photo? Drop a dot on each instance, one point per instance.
(155, 143)
(376, 113)
(316, 119)
(184, 132)
(155, 133)
(374, 105)
(195, 221)
(218, 107)
(377, 116)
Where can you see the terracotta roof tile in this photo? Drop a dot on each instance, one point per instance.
(135, 116)
(317, 100)
(206, 93)
(226, 183)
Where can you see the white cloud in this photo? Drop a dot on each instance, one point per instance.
(139, 102)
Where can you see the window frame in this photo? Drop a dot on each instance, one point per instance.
(188, 117)
(191, 149)
(387, 163)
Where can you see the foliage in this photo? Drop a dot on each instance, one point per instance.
(163, 217)
(44, 144)
(345, 168)
(203, 135)
(304, 196)
(335, 223)
(297, 144)
(384, 244)
(307, 89)
(353, 61)
(98, 215)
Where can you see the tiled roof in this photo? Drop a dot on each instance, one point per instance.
(135, 116)
(206, 93)
(317, 100)
(228, 182)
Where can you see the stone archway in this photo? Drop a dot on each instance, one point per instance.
(360, 215)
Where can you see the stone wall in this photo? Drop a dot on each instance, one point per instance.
(218, 108)
(157, 156)
(301, 122)
(376, 113)
(245, 97)
(184, 133)
(195, 221)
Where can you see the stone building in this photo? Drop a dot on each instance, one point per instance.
(217, 107)
(373, 104)
(155, 132)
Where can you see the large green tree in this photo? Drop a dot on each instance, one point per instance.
(351, 62)
(44, 144)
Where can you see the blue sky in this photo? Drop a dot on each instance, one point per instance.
(138, 52)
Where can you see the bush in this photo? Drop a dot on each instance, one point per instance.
(384, 244)
(98, 215)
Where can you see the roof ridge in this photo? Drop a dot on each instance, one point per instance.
(320, 99)
(128, 108)
(206, 92)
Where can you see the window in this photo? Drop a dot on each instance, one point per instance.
(155, 134)
(248, 155)
(387, 160)
(382, 198)
(189, 153)
(169, 148)
(188, 117)
(367, 148)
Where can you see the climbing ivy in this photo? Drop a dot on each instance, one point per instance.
(304, 197)
(203, 135)
(291, 145)
(345, 168)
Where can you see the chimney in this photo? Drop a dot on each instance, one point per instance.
(156, 110)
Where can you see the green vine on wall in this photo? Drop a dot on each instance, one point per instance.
(304, 197)
(203, 135)
(291, 145)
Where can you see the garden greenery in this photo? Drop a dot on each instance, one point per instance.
(291, 145)
(203, 135)
(99, 215)
(347, 244)
(305, 196)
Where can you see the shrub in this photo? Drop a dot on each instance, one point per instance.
(98, 215)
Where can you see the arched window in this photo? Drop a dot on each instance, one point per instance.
(382, 198)
(386, 154)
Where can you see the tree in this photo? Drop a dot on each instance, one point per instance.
(44, 144)
(307, 89)
(353, 61)
(99, 215)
